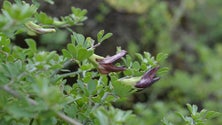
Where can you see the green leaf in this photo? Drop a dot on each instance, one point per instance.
(79, 38)
(84, 54)
(108, 35)
(66, 53)
(32, 44)
(86, 67)
(72, 49)
(92, 86)
(127, 61)
(100, 35)
(139, 56)
(147, 55)
(192, 108)
(19, 11)
(49, 1)
(121, 90)
(103, 119)
(161, 56)
(163, 70)
(212, 114)
(43, 18)
(136, 65)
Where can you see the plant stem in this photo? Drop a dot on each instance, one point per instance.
(33, 102)
(68, 119)
(17, 95)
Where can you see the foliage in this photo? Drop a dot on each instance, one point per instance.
(188, 30)
(35, 83)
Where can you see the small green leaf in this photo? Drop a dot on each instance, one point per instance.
(100, 35)
(212, 114)
(107, 36)
(139, 56)
(161, 56)
(66, 53)
(43, 18)
(128, 61)
(121, 90)
(49, 1)
(136, 65)
(79, 38)
(72, 49)
(32, 45)
(84, 54)
(192, 108)
(92, 86)
(163, 70)
(86, 67)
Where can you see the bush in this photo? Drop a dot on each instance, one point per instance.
(35, 83)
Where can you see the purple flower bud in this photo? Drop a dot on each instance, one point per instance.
(106, 65)
(148, 78)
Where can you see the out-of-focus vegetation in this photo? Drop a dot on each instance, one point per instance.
(189, 31)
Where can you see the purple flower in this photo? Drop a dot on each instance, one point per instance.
(106, 64)
(148, 78)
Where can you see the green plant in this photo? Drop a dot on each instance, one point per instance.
(33, 84)
(195, 118)
(189, 32)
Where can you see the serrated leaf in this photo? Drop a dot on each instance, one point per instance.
(161, 56)
(212, 114)
(163, 70)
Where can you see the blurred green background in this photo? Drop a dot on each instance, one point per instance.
(189, 31)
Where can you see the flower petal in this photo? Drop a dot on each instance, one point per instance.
(113, 58)
(105, 65)
(107, 68)
(148, 78)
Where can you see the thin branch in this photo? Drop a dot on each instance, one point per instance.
(17, 95)
(69, 74)
(96, 45)
(33, 102)
(68, 119)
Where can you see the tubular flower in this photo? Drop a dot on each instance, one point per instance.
(106, 65)
(142, 81)
(38, 29)
(148, 78)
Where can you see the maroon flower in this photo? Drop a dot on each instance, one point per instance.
(148, 78)
(106, 65)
